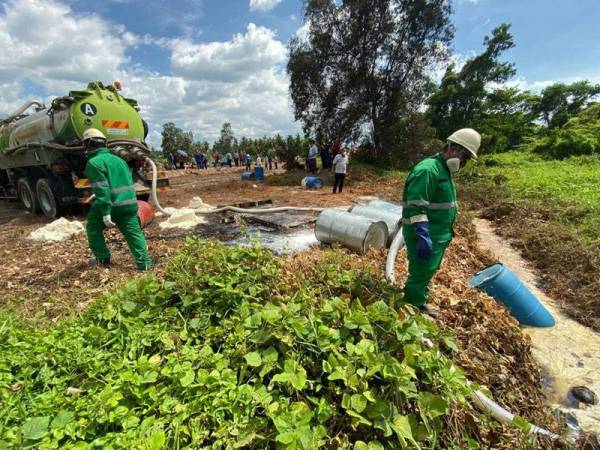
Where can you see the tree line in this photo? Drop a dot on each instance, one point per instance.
(285, 148)
(365, 71)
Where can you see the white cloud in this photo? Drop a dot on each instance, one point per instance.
(263, 5)
(236, 59)
(45, 41)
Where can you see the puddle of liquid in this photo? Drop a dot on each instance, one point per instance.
(568, 352)
(279, 243)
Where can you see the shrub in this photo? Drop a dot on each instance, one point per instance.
(220, 354)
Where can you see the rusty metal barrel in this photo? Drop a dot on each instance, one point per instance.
(392, 219)
(353, 231)
(145, 213)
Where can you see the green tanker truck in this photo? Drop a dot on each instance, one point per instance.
(42, 160)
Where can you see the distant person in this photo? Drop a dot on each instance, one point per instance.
(216, 158)
(325, 160)
(228, 158)
(180, 158)
(276, 161)
(340, 167)
(313, 151)
(258, 161)
(429, 211)
(248, 162)
(172, 164)
(199, 157)
(236, 159)
(336, 146)
(270, 161)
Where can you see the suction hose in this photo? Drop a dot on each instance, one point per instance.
(482, 401)
(224, 208)
(153, 192)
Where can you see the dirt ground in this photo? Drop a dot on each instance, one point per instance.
(54, 279)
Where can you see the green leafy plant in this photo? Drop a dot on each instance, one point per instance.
(222, 354)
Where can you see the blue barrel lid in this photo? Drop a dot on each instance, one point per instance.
(486, 275)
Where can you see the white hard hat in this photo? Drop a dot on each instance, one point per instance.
(92, 133)
(467, 138)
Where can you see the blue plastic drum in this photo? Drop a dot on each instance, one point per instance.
(259, 173)
(504, 286)
(312, 183)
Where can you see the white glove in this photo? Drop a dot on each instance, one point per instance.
(108, 223)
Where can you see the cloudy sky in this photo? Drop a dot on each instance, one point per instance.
(200, 63)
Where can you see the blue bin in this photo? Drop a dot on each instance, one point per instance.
(247, 175)
(259, 173)
(504, 286)
(312, 183)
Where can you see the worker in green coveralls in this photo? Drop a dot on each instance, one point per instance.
(429, 210)
(115, 203)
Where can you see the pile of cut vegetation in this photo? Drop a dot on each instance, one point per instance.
(225, 351)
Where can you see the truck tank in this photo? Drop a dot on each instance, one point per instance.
(61, 126)
(45, 144)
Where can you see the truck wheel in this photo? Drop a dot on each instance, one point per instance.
(47, 199)
(27, 196)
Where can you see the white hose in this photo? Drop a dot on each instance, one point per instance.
(395, 246)
(482, 401)
(224, 208)
(257, 210)
(153, 192)
(502, 415)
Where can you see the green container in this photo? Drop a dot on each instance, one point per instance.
(98, 106)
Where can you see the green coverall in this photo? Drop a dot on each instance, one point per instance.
(115, 195)
(429, 196)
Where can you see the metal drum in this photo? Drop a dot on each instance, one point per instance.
(353, 231)
(387, 206)
(392, 219)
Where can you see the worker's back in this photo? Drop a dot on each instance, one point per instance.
(106, 170)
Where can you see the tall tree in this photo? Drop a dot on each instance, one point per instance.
(226, 141)
(460, 99)
(364, 64)
(558, 102)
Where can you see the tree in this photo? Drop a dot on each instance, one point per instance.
(174, 138)
(505, 119)
(580, 135)
(364, 64)
(226, 142)
(558, 102)
(463, 96)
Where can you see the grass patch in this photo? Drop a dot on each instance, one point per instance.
(568, 189)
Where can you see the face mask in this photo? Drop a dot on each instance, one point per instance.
(453, 164)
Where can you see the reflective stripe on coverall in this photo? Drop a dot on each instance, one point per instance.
(113, 187)
(429, 196)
